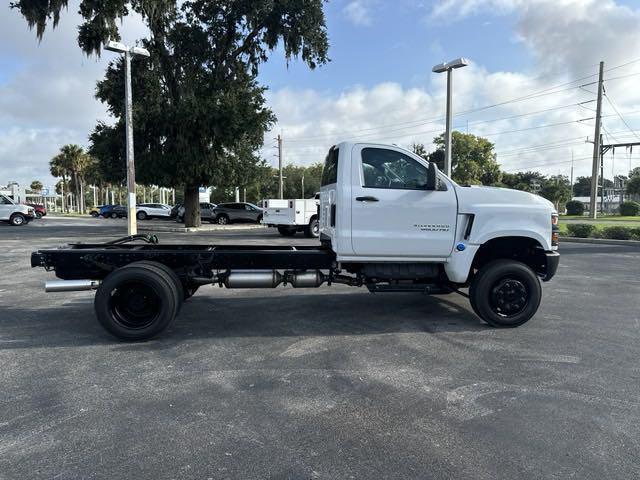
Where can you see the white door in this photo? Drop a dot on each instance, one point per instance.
(163, 211)
(393, 215)
(6, 208)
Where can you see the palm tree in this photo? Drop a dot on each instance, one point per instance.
(72, 162)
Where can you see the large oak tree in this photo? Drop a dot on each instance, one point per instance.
(198, 107)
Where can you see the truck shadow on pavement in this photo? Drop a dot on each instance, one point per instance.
(228, 316)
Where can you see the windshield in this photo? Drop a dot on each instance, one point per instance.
(5, 200)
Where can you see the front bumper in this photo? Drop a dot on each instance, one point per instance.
(553, 260)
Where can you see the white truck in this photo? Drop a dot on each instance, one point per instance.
(14, 213)
(292, 216)
(389, 222)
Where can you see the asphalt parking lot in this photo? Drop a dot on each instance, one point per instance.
(332, 383)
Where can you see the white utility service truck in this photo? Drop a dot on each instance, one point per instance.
(292, 216)
(389, 222)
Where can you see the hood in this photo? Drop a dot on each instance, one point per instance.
(479, 195)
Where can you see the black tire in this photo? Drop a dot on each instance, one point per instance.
(313, 229)
(180, 290)
(141, 215)
(259, 219)
(505, 293)
(113, 215)
(286, 231)
(222, 220)
(136, 302)
(95, 214)
(18, 220)
(38, 215)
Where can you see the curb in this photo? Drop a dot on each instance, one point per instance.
(600, 241)
(204, 228)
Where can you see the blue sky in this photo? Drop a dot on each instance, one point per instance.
(378, 86)
(400, 43)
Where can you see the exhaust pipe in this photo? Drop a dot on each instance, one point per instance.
(57, 286)
(273, 278)
(312, 279)
(253, 279)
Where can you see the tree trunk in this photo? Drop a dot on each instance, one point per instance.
(192, 207)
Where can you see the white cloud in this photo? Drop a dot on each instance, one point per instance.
(566, 37)
(312, 121)
(358, 12)
(47, 93)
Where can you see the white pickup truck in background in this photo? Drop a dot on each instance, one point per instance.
(292, 216)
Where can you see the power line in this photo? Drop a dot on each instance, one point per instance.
(621, 117)
(477, 122)
(537, 94)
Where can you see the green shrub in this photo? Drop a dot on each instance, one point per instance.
(635, 233)
(616, 232)
(575, 208)
(629, 209)
(580, 230)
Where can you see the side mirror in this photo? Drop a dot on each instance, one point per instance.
(432, 177)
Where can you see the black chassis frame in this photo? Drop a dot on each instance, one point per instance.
(190, 262)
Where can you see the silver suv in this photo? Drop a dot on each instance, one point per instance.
(16, 215)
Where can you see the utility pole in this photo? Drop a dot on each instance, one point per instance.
(601, 178)
(280, 178)
(302, 186)
(596, 147)
(571, 174)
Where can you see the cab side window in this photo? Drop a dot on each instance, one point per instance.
(4, 201)
(389, 169)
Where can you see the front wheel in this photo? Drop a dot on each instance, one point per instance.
(141, 215)
(222, 220)
(114, 215)
(505, 293)
(313, 229)
(17, 220)
(38, 215)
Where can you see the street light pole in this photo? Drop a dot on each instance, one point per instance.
(129, 52)
(448, 133)
(448, 67)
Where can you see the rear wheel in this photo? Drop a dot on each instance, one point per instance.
(505, 293)
(313, 229)
(177, 283)
(38, 215)
(286, 231)
(18, 220)
(222, 220)
(141, 215)
(136, 302)
(114, 215)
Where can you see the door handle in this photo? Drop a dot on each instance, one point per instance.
(367, 199)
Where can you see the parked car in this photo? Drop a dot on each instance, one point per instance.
(153, 210)
(174, 211)
(16, 215)
(113, 211)
(40, 210)
(237, 212)
(95, 211)
(206, 212)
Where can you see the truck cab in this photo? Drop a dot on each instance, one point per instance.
(381, 204)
